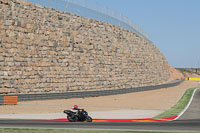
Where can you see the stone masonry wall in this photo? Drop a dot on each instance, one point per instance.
(44, 50)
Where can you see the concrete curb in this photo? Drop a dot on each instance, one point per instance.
(122, 120)
(103, 120)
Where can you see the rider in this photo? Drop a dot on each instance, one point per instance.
(75, 109)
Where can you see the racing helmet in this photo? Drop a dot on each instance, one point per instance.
(75, 106)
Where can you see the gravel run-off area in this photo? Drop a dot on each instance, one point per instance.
(134, 105)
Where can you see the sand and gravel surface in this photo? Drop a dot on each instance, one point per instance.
(115, 114)
(141, 104)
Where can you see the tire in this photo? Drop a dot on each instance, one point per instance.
(89, 119)
(71, 119)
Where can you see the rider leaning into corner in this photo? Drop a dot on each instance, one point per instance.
(77, 114)
(75, 109)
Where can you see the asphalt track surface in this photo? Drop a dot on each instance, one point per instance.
(183, 125)
(189, 121)
(193, 111)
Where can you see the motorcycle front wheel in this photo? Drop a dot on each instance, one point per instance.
(89, 119)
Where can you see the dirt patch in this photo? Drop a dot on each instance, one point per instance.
(161, 99)
(175, 74)
(191, 75)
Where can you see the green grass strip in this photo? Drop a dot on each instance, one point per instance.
(18, 130)
(179, 107)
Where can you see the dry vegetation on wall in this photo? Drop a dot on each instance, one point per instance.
(44, 50)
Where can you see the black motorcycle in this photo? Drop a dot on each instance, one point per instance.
(81, 116)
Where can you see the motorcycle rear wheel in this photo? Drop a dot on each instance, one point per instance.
(72, 119)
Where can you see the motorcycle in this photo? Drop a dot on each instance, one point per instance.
(82, 116)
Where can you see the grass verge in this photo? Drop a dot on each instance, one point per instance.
(16, 130)
(179, 107)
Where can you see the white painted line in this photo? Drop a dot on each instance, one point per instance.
(187, 105)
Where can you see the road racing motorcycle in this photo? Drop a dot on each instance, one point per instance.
(82, 116)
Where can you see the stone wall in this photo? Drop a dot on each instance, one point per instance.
(44, 50)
